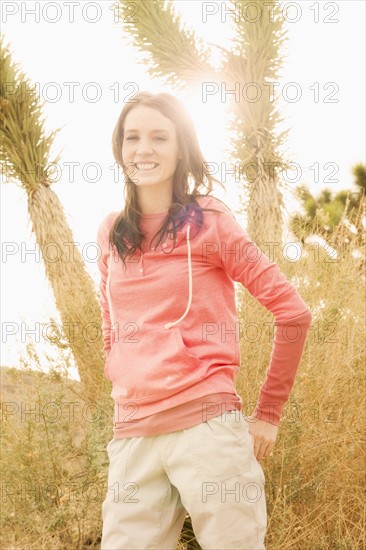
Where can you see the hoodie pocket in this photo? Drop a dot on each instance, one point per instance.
(152, 364)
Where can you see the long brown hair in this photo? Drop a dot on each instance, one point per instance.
(192, 165)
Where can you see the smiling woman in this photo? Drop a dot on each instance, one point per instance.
(171, 338)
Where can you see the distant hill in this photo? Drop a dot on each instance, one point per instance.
(16, 383)
(24, 394)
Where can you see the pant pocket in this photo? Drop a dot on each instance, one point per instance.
(118, 451)
(256, 465)
(109, 445)
(218, 451)
(240, 426)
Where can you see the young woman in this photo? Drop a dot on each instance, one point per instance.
(171, 336)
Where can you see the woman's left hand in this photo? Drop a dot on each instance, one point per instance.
(264, 435)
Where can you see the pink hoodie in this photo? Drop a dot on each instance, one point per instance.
(170, 326)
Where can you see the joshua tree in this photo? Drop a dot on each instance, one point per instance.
(24, 156)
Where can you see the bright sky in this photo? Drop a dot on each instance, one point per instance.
(324, 59)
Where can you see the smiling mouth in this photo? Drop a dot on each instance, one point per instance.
(146, 167)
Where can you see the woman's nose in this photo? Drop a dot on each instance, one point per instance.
(143, 146)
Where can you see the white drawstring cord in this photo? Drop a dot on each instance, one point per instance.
(168, 325)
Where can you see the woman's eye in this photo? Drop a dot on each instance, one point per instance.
(135, 137)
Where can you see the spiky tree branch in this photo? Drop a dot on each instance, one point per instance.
(169, 51)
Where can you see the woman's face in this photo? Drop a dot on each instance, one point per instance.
(150, 147)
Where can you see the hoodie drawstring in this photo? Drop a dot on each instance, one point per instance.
(168, 325)
(172, 323)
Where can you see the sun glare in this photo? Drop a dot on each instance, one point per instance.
(210, 117)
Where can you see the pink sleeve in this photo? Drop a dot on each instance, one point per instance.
(244, 262)
(103, 255)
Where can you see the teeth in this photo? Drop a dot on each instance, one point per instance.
(145, 166)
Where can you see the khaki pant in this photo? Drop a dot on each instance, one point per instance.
(209, 471)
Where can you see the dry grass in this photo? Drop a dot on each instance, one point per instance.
(54, 466)
(315, 480)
